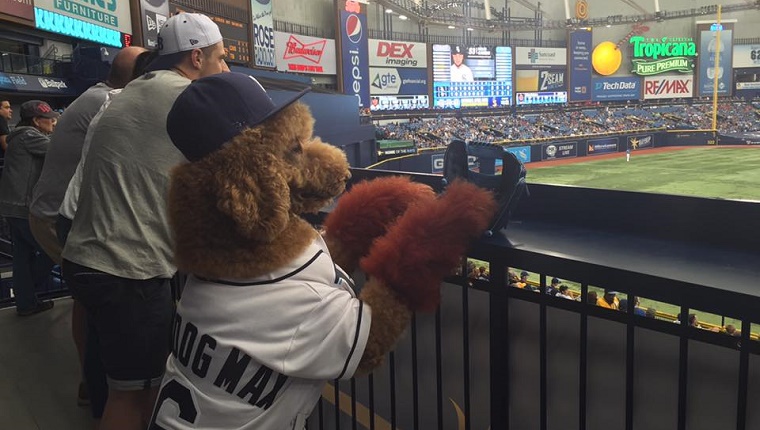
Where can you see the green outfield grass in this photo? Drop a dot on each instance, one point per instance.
(729, 173)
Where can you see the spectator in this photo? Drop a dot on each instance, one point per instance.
(564, 292)
(27, 146)
(553, 288)
(609, 300)
(651, 313)
(693, 322)
(118, 258)
(6, 114)
(591, 297)
(732, 331)
(60, 162)
(637, 310)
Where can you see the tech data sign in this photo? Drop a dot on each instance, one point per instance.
(304, 54)
(110, 14)
(388, 53)
(669, 87)
(654, 56)
(540, 56)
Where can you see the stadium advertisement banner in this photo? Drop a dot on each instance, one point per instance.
(436, 161)
(304, 54)
(553, 151)
(540, 56)
(746, 56)
(353, 35)
(708, 45)
(263, 34)
(580, 65)
(616, 89)
(532, 80)
(112, 14)
(668, 87)
(154, 14)
(20, 8)
(640, 142)
(389, 53)
(602, 146)
(747, 83)
(397, 81)
(521, 152)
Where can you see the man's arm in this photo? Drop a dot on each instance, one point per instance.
(4, 143)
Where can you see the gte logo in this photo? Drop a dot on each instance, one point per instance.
(397, 54)
(668, 86)
(389, 81)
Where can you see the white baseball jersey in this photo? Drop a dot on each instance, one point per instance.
(256, 353)
(461, 73)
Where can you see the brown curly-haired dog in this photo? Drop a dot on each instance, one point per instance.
(236, 219)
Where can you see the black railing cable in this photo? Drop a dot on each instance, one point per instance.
(415, 379)
(392, 376)
(683, 366)
(542, 354)
(629, 362)
(583, 376)
(741, 400)
(466, 354)
(438, 370)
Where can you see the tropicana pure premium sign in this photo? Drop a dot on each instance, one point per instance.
(654, 56)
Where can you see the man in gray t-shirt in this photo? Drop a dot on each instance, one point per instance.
(118, 257)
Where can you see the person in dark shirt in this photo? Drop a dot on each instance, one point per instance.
(6, 113)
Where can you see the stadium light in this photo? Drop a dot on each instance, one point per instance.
(470, 29)
(451, 27)
(389, 10)
(402, 17)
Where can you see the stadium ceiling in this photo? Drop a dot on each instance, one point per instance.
(451, 12)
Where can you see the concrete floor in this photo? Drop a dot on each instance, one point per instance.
(39, 371)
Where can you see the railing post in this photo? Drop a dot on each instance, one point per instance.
(499, 344)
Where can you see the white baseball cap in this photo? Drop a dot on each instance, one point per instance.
(187, 31)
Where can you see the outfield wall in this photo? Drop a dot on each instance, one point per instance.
(431, 161)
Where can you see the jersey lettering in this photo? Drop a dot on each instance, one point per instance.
(180, 395)
(232, 370)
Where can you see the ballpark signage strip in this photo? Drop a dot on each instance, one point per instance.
(668, 87)
(641, 142)
(654, 56)
(398, 81)
(154, 14)
(616, 89)
(388, 53)
(708, 48)
(540, 56)
(602, 146)
(580, 65)
(304, 54)
(746, 56)
(353, 33)
(521, 152)
(109, 14)
(263, 33)
(20, 8)
(37, 84)
(62, 24)
(552, 151)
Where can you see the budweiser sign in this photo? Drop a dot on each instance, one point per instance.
(310, 51)
(304, 54)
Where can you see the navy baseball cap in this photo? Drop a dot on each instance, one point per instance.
(37, 108)
(214, 109)
(456, 49)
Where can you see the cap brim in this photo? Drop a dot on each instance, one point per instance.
(51, 114)
(283, 103)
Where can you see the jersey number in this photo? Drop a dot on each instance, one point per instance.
(182, 397)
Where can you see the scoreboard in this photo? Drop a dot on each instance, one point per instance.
(491, 71)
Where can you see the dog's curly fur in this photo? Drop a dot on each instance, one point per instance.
(236, 214)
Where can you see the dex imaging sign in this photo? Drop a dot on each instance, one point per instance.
(387, 53)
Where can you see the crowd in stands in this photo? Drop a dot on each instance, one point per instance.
(608, 299)
(733, 117)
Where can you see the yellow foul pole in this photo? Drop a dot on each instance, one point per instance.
(715, 78)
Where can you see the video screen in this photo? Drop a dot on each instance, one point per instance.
(474, 76)
(383, 103)
(541, 98)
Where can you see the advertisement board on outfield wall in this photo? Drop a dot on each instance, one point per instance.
(668, 87)
(715, 59)
(553, 151)
(746, 56)
(304, 54)
(616, 89)
(521, 152)
(389, 53)
(602, 146)
(645, 141)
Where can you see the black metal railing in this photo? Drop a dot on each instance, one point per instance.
(510, 358)
(29, 65)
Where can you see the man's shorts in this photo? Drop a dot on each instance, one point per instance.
(133, 320)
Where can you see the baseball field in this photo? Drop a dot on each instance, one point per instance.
(715, 172)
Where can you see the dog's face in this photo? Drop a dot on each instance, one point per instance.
(266, 176)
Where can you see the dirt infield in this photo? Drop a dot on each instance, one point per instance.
(571, 160)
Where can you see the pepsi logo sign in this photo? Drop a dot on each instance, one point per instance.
(353, 28)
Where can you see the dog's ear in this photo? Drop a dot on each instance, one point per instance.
(252, 189)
